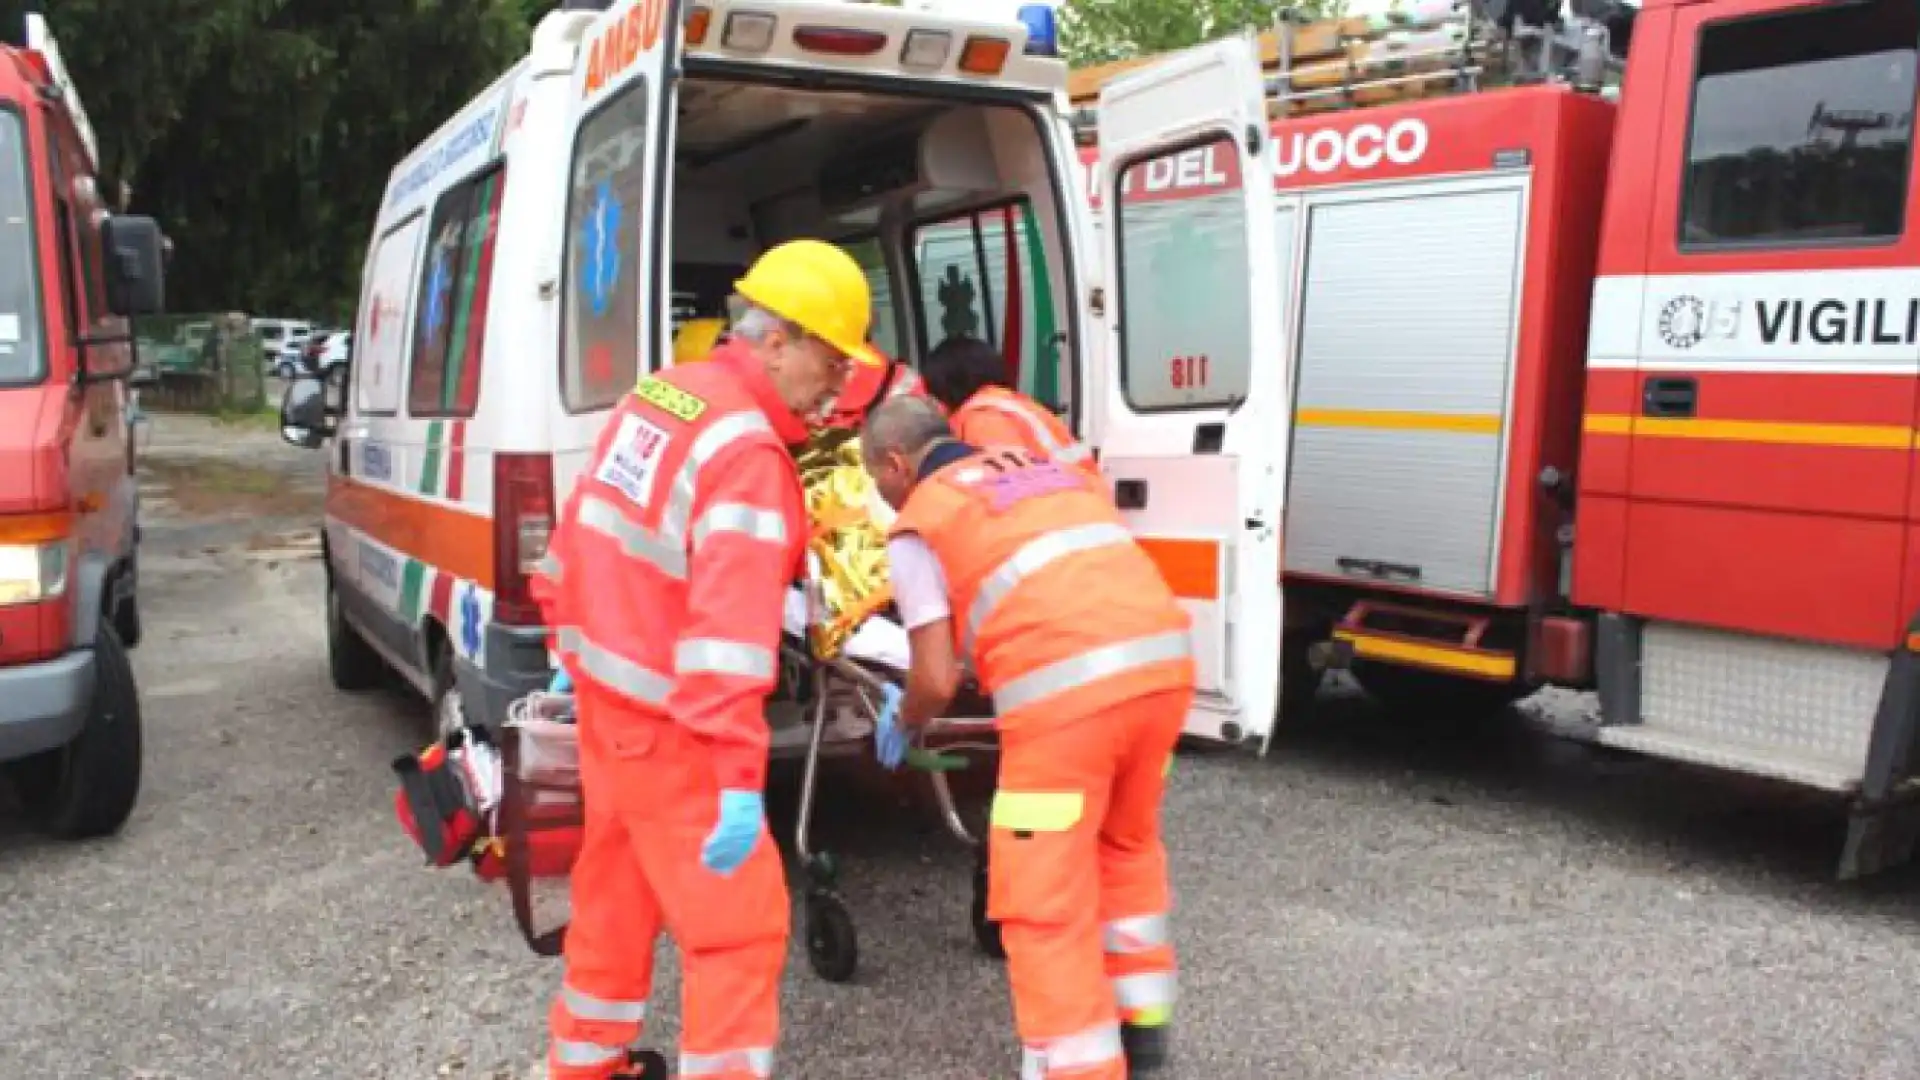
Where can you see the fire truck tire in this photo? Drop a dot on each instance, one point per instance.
(351, 661)
(1424, 697)
(1299, 682)
(88, 788)
(126, 613)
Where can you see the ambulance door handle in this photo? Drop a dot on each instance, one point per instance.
(1130, 494)
(1670, 397)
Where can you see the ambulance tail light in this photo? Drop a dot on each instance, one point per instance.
(839, 41)
(698, 20)
(984, 55)
(523, 512)
(748, 31)
(926, 50)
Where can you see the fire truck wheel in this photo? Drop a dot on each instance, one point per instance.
(88, 788)
(126, 613)
(350, 660)
(1411, 696)
(1299, 681)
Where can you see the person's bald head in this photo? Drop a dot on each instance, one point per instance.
(897, 435)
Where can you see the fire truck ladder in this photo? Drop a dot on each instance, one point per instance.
(1435, 48)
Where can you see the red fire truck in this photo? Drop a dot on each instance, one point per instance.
(1600, 340)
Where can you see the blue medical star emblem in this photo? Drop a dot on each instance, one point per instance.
(470, 623)
(437, 283)
(600, 250)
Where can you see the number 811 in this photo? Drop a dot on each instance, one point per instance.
(1187, 372)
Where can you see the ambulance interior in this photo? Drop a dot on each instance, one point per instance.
(938, 201)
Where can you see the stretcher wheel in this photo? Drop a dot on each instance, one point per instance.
(986, 932)
(833, 947)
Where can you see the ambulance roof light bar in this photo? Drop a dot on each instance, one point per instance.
(1043, 38)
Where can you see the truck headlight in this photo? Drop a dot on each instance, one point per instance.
(31, 573)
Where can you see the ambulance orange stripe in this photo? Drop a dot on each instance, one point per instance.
(448, 540)
(1191, 567)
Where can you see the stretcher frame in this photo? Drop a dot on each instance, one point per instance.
(832, 939)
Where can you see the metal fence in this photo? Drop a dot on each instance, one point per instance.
(208, 362)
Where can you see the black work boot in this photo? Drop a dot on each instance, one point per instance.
(644, 1065)
(1147, 1047)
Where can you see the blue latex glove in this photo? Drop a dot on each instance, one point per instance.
(741, 814)
(562, 683)
(890, 739)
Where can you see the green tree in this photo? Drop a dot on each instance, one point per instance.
(1100, 31)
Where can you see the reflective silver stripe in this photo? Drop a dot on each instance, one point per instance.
(1155, 988)
(717, 436)
(637, 541)
(759, 1062)
(614, 670)
(714, 656)
(1089, 667)
(1026, 419)
(585, 1055)
(1081, 1050)
(1032, 556)
(749, 521)
(587, 1007)
(1138, 934)
(1074, 453)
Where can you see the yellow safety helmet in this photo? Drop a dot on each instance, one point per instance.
(820, 289)
(695, 340)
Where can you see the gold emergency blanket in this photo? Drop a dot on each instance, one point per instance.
(850, 547)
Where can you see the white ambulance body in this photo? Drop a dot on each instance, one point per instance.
(533, 259)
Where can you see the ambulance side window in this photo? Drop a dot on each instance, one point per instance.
(982, 274)
(600, 313)
(1802, 127)
(450, 320)
(1183, 289)
(886, 314)
(381, 342)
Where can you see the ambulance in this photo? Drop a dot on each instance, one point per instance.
(532, 258)
(1588, 338)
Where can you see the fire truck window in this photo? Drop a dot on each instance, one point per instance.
(1802, 127)
(886, 316)
(21, 358)
(984, 274)
(1184, 294)
(450, 319)
(600, 316)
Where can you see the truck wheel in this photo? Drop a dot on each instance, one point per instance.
(1299, 681)
(126, 614)
(350, 660)
(1426, 696)
(88, 788)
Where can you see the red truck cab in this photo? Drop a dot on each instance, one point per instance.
(72, 274)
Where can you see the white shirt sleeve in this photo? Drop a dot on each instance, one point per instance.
(919, 584)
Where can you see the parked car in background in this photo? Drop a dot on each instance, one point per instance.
(277, 337)
(322, 353)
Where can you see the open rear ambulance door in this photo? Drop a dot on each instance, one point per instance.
(1195, 420)
(614, 281)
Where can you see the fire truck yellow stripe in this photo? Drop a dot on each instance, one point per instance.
(1864, 436)
(1392, 420)
(1378, 647)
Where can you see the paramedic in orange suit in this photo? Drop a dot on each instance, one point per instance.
(1022, 568)
(665, 584)
(867, 386)
(969, 377)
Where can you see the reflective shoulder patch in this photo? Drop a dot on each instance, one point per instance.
(670, 399)
(1037, 811)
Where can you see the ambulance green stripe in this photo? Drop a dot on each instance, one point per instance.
(476, 242)
(1046, 385)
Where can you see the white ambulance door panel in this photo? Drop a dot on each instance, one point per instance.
(615, 297)
(1195, 422)
(367, 454)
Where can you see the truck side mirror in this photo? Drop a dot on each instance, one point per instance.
(136, 265)
(304, 420)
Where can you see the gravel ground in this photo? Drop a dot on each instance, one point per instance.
(1373, 900)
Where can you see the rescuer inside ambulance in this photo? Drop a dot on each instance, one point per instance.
(969, 377)
(868, 386)
(1021, 567)
(665, 583)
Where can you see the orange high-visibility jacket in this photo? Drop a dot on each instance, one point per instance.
(997, 416)
(1057, 609)
(863, 387)
(667, 574)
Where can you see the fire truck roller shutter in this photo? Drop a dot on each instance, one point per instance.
(1404, 374)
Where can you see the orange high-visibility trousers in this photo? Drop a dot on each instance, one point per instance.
(1077, 879)
(639, 873)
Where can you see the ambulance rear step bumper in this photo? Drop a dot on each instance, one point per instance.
(1446, 642)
